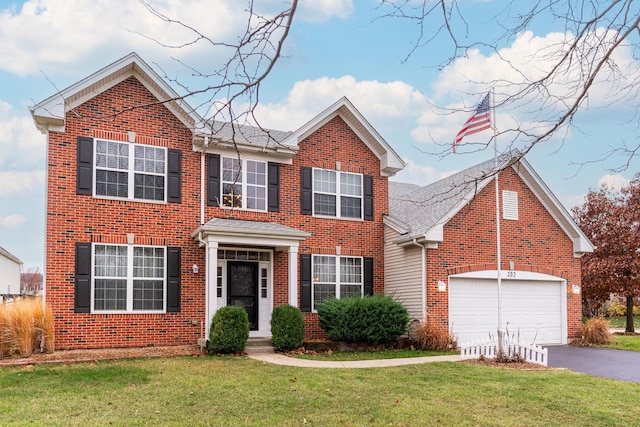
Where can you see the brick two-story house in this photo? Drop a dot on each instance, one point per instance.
(155, 218)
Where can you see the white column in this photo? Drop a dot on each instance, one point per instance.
(293, 276)
(212, 281)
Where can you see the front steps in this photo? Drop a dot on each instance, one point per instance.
(259, 346)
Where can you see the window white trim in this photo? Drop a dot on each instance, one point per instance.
(243, 175)
(128, 278)
(129, 169)
(340, 188)
(336, 278)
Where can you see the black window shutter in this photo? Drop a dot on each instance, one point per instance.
(368, 197)
(305, 282)
(306, 199)
(84, 166)
(213, 179)
(173, 280)
(174, 176)
(368, 276)
(82, 291)
(273, 189)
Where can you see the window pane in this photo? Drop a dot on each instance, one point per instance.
(148, 187)
(110, 261)
(350, 291)
(350, 184)
(256, 173)
(256, 198)
(113, 155)
(232, 195)
(324, 269)
(148, 295)
(148, 262)
(322, 292)
(350, 270)
(325, 204)
(111, 183)
(350, 207)
(110, 294)
(231, 170)
(324, 181)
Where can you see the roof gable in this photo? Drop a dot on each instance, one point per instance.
(10, 256)
(424, 211)
(50, 113)
(390, 161)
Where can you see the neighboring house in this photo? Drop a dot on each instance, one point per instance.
(10, 267)
(155, 219)
(441, 263)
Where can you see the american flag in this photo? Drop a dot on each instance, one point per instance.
(479, 121)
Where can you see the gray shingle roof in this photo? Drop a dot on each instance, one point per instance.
(248, 134)
(420, 209)
(222, 225)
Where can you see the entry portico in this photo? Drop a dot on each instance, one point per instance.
(240, 264)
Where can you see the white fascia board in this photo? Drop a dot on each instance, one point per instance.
(390, 161)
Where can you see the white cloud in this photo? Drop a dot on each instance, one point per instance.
(21, 145)
(614, 182)
(21, 184)
(322, 10)
(460, 86)
(112, 28)
(12, 221)
(385, 105)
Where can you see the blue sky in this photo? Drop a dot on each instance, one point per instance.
(336, 48)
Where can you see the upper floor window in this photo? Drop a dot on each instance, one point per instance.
(244, 184)
(128, 278)
(130, 171)
(337, 194)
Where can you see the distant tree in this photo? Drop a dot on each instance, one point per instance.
(31, 281)
(612, 221)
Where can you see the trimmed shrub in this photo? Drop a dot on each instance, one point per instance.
(426, 336)
(229, 330)
(373, 319)
(287, 328)
(595, 331)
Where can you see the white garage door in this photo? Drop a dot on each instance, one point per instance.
(531, 309)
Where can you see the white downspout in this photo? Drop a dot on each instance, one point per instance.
(423, 265)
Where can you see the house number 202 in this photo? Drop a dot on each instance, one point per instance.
(511, 274)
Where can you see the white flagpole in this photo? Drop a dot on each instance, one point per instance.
(498, 251)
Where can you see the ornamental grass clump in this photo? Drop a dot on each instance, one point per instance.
(287, 328)
(425, 336)
(25, 325)
(373, 319)
(595, 331)
(229, 330)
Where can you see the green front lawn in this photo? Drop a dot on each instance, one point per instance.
(621, 322)
(230, 391)
(625, 342)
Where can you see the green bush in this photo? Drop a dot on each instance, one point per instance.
(287, 328)
(229, 330)
(373, 319)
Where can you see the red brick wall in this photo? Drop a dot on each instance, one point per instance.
(75, 218)
(535, 242)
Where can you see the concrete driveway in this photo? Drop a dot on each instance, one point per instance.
(602, 362)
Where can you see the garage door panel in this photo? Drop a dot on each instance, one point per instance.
(531, 310)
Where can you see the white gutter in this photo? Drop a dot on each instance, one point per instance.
(202, 178)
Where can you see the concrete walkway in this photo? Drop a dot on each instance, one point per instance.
(280, 359)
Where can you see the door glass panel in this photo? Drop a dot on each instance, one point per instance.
(242, 282)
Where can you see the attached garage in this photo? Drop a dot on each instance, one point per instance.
(534, 306)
